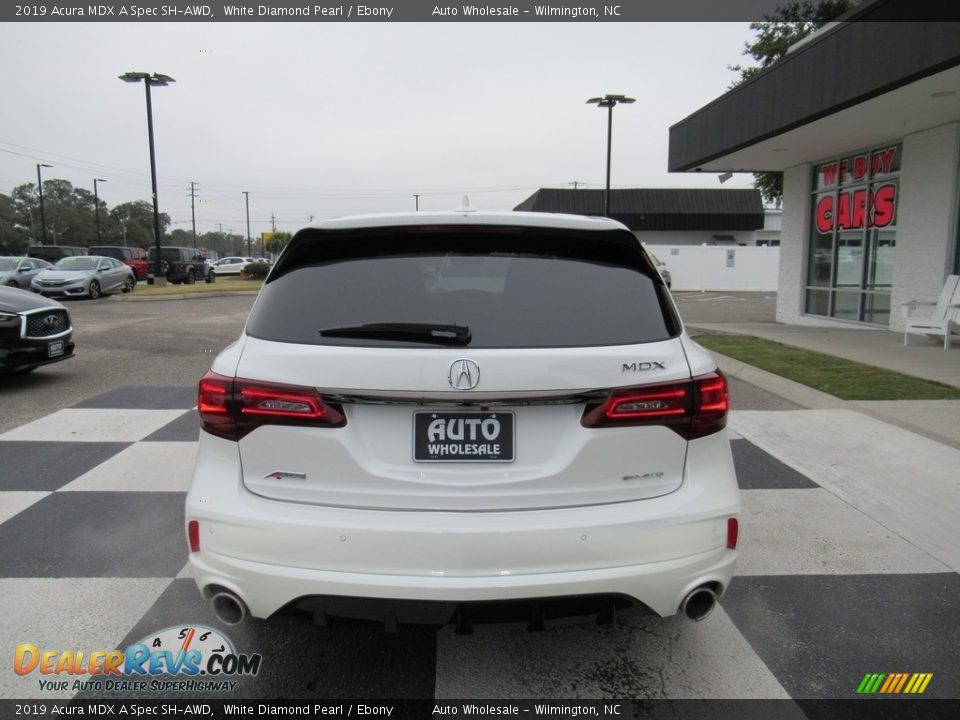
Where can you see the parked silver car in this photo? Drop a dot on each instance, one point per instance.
(18, 272)
(661, 267)
(90, 275)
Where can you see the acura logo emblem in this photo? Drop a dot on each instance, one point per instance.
(464, 375)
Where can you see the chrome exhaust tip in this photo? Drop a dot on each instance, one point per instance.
(228, 608)
(699, 603)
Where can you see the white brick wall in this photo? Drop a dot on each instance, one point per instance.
(926, 216)
(708, 267)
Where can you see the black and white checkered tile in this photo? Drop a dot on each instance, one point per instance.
(850, 549)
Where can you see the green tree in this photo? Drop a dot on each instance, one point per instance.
(181, 238)
(134, 223)
(15, 234)
(775, 34)
(278, 242)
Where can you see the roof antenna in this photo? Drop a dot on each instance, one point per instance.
(464, 206)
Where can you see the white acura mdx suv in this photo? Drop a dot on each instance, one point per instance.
(444, 417)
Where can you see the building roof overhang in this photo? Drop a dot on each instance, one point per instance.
(860, 83)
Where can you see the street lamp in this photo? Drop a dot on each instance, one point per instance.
(96, 205)
(43, 219)
(148, 80)
(609, 102)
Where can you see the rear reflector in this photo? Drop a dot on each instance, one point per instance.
(733, 532)
(193, 533)
(232, 407)
(693, 408)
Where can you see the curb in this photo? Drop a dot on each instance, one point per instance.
(811, 399)
(795, 392)
(132, 297)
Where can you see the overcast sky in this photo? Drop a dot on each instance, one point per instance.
(332, 119)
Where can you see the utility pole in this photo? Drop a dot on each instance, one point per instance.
(193, 214)
(273, 225)
(416, 199)
(96, 205)
(43, 218)
(247, 195)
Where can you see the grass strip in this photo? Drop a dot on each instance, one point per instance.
(845, 379)
(200, 288)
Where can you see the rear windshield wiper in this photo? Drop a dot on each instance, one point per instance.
(410, 332)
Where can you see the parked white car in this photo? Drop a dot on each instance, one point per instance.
(463, 408)
(231, 265)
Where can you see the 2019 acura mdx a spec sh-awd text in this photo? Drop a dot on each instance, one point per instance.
(435, 417)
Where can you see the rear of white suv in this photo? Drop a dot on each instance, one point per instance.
(430, 414)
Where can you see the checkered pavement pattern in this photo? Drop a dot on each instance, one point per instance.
(833, 581)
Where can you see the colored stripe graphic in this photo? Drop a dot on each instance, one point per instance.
(894, 683)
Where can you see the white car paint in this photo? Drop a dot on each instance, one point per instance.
(293, 511)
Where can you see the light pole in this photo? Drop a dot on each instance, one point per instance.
(609, 102)
(96, 205)
(43, 219)
(148, 80)
(416, 199)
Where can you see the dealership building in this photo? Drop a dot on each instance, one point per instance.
(863, 119)
(671, 216)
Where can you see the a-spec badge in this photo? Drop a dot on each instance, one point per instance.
(285, 475)
(642, 366)
(464, 375)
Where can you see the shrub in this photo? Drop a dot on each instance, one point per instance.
(255, 270)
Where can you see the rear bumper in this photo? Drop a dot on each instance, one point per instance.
(659, 586)
(272, 553)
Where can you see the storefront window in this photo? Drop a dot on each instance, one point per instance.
(853, 236)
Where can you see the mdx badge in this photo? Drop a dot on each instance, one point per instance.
(642, 366)
(464, 375)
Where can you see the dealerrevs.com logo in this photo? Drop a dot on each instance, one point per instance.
(189, 658)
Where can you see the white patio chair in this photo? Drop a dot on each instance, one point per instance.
(944, 319)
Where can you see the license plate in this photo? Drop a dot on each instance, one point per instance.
(463, 437)
(55, 348)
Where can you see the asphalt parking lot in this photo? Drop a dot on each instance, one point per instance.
(97, 453)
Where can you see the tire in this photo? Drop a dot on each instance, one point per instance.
(129, 284)
(211, 277)
(191, 277)
(94, 290)
(164, 267)
(12, 283)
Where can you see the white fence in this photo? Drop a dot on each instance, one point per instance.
(712, 267)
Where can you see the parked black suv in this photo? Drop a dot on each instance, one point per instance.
(52, 253)
(182, 265)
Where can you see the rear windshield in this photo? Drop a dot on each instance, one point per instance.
(511, 288)
(173, 254)
(114, 252)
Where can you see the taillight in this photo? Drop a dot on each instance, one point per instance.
(692, 408)
(733, 533)
(232, 407)
(193, 534)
